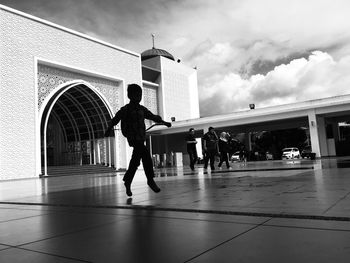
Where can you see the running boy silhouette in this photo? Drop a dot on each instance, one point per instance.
(132, 117)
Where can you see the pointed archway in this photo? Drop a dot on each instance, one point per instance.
(73, 122)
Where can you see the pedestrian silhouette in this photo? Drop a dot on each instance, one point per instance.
(132, 117)
(191, 148)
(223, 149)
(210, 148)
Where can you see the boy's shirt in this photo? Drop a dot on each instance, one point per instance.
(132, 117)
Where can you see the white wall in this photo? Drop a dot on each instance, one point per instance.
(22, 39)
(179, 90)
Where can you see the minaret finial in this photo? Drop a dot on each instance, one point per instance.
(153, 35)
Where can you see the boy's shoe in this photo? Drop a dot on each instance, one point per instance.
(152, 184)
(128, 190)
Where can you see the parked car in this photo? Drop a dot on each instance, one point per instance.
(235, 157)
(306, 152)
(269, 156)
(290, 153)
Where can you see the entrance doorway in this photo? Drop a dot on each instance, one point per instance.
(72, 129)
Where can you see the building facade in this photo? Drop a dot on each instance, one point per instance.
(60, 88)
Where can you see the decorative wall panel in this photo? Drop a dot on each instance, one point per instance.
(50, 78)
(150, 100)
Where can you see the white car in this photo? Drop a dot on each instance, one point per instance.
(290, 153)
(235, 157)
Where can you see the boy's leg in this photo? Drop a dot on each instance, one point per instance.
(130, 173)
(148, 166)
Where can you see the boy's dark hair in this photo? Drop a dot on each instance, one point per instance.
(134, 89)
(191, 129)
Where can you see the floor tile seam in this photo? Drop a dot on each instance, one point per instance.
(22, 218)
(20, 208)
(50, 254)
(258, 170)
(71, 232)
(308, 228)
(128, 216)
(228, 240)
(337, 202)
(196, 219)
(206, 211)
(6, 247)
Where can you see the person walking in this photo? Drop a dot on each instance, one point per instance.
(191, 148)
(210, 148)
(132, 117)
(224, 149)
(243, 156)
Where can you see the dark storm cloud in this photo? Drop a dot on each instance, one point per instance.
(263, 67)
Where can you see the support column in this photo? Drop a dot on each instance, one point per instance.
(98, 149)
(317, 134)
(116, 149)
(109, 152)
(249, 141)
(322, 136)
(95, 151)
(105, 145)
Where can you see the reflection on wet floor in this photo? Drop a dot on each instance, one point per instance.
(237, 167)
(337, 164)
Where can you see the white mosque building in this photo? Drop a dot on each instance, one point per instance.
(60, 88)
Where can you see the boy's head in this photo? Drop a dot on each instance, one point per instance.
(134, 93)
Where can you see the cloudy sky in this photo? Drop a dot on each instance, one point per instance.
(267, 52)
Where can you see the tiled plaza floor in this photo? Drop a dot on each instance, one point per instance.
(272, 211)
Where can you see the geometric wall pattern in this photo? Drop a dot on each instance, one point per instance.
(150, 100)
(49, 78)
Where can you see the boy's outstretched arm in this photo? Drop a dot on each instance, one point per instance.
(116, 119)
(156, 118)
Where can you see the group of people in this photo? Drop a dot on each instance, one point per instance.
(212, 146)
